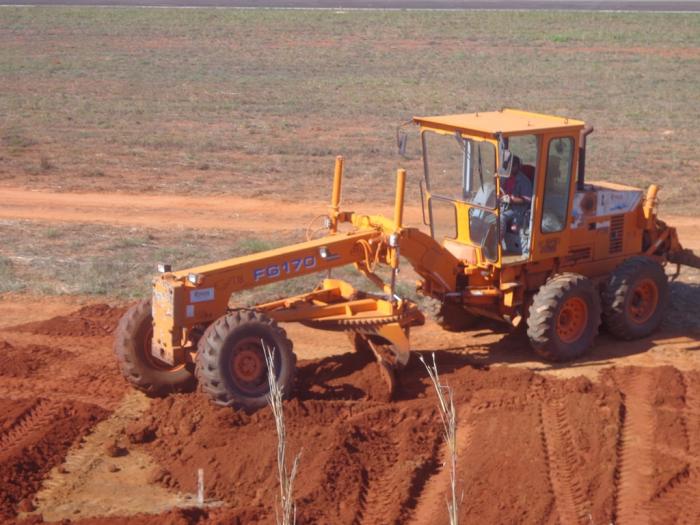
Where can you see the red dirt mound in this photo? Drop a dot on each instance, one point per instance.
(32, 365)
(90, 321)
(25, 361)
(34, 436)
(86, 375)
(531, 449)
(349, 376)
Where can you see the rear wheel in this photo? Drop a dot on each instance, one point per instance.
(634, 298)
(231, 365)
(132, 347)
(454, 318)
(564, 317)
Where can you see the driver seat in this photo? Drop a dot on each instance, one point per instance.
(463, 252)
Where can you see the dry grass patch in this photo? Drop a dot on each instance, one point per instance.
(264, 98)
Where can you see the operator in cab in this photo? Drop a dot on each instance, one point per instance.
(515, 203)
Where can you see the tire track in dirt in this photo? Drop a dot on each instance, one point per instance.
(681, 492)
(633, 482)
(18, 389)
(378, 492)
(689, 490)
(502, 403)
(37, 417)
(570, 497)
(434, 491)
(84, 483)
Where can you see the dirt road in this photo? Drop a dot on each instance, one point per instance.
(155, 211)
(579, 5)
(214, 212)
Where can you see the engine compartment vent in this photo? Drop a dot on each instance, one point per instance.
(617, 227)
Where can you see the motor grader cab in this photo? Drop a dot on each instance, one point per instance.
(470, 207)
(572, 254)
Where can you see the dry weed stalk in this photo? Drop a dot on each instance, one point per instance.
(286, 476)
(449, 423)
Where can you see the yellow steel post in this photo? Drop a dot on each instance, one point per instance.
(398, 204)
(335, 196)
(398, 223)
(650, 204)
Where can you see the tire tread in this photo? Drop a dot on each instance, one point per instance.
(212, 344)
(615, 293)
(543, 310)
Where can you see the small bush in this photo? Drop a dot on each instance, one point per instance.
(45, 163)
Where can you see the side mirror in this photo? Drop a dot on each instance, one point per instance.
(506, 163)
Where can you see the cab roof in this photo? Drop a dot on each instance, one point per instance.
(506, 121)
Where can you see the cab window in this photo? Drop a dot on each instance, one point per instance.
(560, 156)
(460, 169)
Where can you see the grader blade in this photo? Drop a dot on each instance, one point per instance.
(379, 326)
(685, 257)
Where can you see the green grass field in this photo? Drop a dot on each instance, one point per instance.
(257, 102)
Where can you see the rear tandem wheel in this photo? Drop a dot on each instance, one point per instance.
(635, 298)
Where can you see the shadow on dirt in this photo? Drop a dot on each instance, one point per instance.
(334, 377)
(353, 376)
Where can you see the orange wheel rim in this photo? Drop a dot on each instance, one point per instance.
(248, 366)
(643, 300)
(572, 319)
(152, 360)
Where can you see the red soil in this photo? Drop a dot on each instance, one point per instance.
(37, 363)
(90, 321)
(26, 361)
(34, 436)
(50, 397)
(532, 448)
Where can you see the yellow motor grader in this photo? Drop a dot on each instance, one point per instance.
(517, 234)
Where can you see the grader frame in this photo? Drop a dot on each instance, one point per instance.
(562, 284)
(188, 299)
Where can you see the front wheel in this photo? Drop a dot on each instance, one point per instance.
(132, 347)
(231, 366)
(454, 318)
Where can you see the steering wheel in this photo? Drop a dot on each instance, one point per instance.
(504, 202)
(483, 195)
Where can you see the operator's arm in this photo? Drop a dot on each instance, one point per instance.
(522, 194)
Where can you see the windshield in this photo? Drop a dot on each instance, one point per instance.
(459, 168)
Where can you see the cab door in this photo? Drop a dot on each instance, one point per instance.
(553, 197)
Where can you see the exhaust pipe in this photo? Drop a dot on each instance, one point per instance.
(582, 157)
